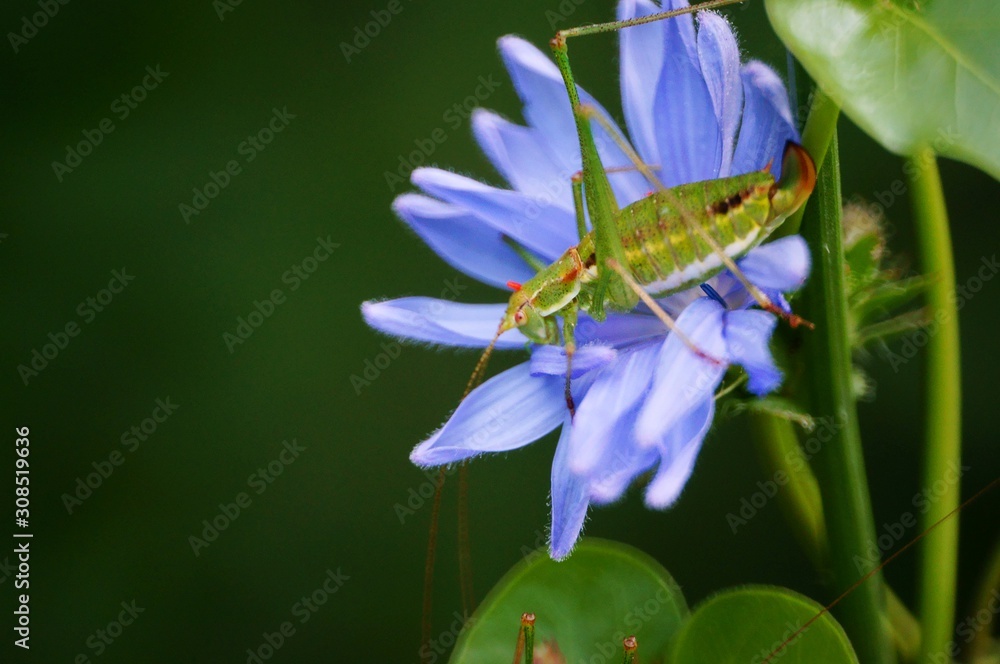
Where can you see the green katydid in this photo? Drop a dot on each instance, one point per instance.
(667, 242)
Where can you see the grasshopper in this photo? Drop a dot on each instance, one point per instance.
(670, 241)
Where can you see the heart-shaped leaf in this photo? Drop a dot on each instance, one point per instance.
(919, 72)
(752, 623)
(587, 604)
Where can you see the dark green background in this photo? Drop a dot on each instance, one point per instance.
(324, 176)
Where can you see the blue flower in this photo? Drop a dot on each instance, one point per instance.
(644, 400)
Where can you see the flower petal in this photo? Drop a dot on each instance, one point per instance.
(767, 121)
(623, 461)
(520, 155)
(688, 138)
(508, 411)
(462, 240)
(544, 228)
(441, 322)
(569, 501)
(641, 54)
(613, 395)
(547, 110)
(683, 380)
(678, 455)
(551, 360)
(748, 334)
(720, 65)
(782, 265)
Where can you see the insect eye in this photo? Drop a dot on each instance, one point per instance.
(520, 317)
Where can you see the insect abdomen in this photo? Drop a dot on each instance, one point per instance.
(666, 256)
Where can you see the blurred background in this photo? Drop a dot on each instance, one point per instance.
(216, 82)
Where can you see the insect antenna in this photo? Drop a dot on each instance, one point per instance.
(464, 556)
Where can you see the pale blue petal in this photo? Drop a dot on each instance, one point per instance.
(641, 54)
(748, 334)
(462, 240)
(622, 462)
(547, 110)
(688, 137)
(720, 64)
(569, 501)
(683, 380)
(619, 329)
(520, 155)
(551, 360)
(506, 412)
(544, 228)
(782, 265)
(441, 322)
(678, 455)
(767, 121)
(614, 394)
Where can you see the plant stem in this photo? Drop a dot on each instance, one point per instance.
(779, 452)
(799, 498)
(816, 137)
(839, 464)
(939, 551)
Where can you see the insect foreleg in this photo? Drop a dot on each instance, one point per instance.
(581, 219)
(570, 314)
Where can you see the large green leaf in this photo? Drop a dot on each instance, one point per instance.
(588, 604)
(923, 72)
(748, 624)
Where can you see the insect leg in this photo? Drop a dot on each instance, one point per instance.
(570, 314)
(660, 313)
(581, 219)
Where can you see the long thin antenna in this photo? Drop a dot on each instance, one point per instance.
(464, 557)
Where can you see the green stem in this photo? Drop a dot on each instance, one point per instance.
(939, 559)
(839, 464)
(800, 500)
(816, 137)
(779, 452)
(989, 590)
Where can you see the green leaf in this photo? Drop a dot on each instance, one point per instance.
(588, 603)
(748, 624)
(924, 73)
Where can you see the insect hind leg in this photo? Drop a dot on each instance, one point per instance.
(759, 296)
